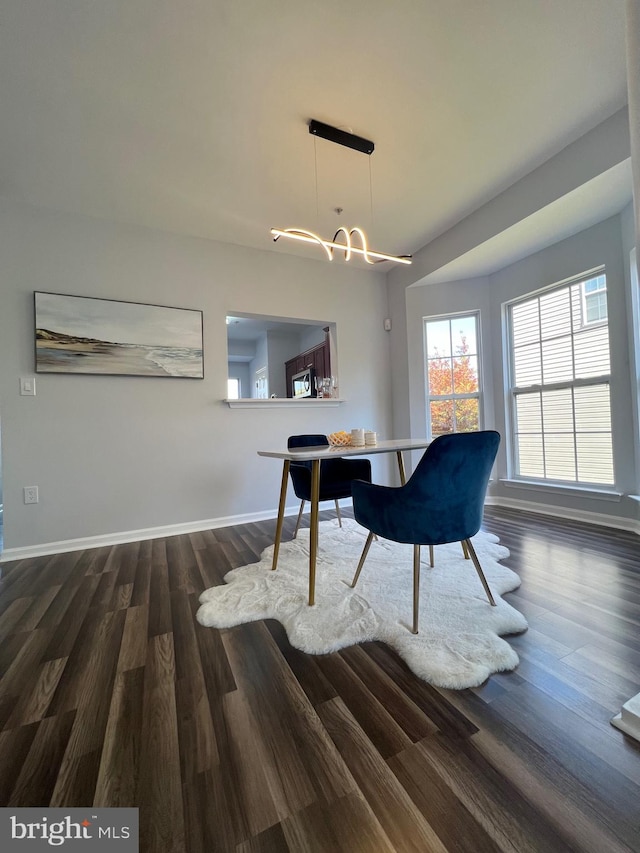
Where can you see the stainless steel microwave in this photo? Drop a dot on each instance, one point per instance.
(303, 383)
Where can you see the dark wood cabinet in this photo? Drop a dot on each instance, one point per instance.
(321, 363)
(318, 357)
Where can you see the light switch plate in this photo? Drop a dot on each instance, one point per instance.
(28, 386)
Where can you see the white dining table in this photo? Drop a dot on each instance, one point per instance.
(315, 455)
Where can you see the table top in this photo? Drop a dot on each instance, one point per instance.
(307, 454)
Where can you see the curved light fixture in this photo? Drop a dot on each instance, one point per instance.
(357, 143)
(348, 248)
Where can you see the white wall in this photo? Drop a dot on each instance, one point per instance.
(281, 347)
(633, 88)
(115, 454)
(313, 336)
(601, 244)
(628, 232)
(245, 350)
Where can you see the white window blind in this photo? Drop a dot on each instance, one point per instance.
(560, 377)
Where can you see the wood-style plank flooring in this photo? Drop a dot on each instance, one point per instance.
(112, 695)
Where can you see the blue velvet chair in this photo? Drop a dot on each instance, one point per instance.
(336, 475)
(441, 502)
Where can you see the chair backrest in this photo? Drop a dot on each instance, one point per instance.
(448, 487)
(307, 441)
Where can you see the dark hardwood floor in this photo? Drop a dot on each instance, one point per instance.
(113, 695)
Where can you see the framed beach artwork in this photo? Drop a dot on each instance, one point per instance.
(83, 334)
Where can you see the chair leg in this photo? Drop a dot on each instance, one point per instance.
(363, 557)
(476, 563)
(432, 561)
(339, 516)
(295, 532)
(465, 550)
(416, 586)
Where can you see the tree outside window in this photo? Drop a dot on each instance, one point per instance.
(453, 381)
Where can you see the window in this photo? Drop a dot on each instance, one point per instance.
(233, 388)
(594, 295)
(560, 376)
(453, 379)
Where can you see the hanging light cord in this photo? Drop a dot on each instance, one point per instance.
(370, 193)
(315, 164)
(347, 247)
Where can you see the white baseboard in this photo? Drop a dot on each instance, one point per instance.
(65, 545)
(628, 720)
(601, 519)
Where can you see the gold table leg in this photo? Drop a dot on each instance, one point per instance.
(403, 478)
(283, 499)
(416, 587)
(313, 538)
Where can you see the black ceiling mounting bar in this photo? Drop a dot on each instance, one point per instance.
(341, 137)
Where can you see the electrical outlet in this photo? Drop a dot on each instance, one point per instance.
(31, 494)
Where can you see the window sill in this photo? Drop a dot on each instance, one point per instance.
(283, 403)
(577, 491)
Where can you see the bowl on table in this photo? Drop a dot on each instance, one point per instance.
(339, 439)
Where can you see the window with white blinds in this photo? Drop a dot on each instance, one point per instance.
(560, 377)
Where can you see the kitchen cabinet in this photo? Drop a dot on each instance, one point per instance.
(318, 357)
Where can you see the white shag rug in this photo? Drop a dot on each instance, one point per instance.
(459, 644)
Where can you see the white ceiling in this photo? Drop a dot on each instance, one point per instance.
(191, 116)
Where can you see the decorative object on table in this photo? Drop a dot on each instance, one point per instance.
(459, 645)
(370, 438)
(365, 146)
(82, 334)
(357, 438)
(336, 475)
(442, 502)
(339, 439)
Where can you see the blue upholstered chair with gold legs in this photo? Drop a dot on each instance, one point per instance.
(336, 475)
(441, 502)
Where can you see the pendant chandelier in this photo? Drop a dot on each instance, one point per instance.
(355, 239)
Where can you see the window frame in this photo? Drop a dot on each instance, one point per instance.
(479, 395)
(512, 391)
(584, 296)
